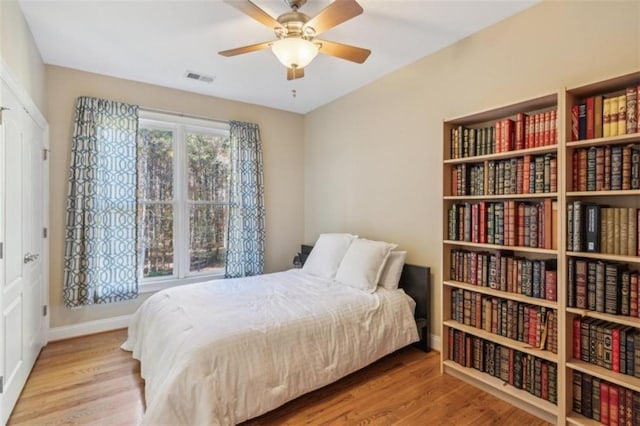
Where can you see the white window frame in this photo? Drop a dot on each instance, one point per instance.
(180, 126)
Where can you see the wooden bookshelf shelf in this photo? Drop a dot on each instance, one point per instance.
(611, 140)
(499, 247)
(493, 385)
(504, 341)
(580, 420)
(502, 294)
(618, 319)
(625, 193)
(502, 197)
(629, 382)
(502, 155)
(603, 256)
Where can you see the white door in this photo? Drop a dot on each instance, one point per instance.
(21, 321)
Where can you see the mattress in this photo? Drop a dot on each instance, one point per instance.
(225, 351)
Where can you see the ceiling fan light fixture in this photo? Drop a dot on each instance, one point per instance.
(294, 52)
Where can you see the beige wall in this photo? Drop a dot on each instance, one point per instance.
(19, 51)
(283, 174)
(373, 158)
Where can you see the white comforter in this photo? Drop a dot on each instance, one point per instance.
(225, 351)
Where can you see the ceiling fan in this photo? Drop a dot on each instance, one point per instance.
(296, 32)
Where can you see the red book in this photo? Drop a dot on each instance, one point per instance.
(519, 131)
(638, 228)
(554, 127)
(574, 123)
(604, 402)
(575, 162)
(629, 405)
(576, 337)
(615, 349)
(590, 117)
(483, 221)
(546, 133)
(533, 326)
(622, 406)
(614, 416)
(521, 229)
(498, 136)
(528, 142)
(550, 284)
(536, 130)
(508, 128)
(511, 369)
(475, 217)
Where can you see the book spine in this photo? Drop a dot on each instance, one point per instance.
(622, 114)
(606, 118)
(632, 113)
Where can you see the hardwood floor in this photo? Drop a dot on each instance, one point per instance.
(89, 380)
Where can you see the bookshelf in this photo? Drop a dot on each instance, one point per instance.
(610, 190)
(475, 253)
(581, 149)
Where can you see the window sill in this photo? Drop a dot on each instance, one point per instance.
(160, 284)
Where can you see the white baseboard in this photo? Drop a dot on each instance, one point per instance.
(435, 342)
(89, 327)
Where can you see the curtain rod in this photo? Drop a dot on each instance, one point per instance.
(180, 114)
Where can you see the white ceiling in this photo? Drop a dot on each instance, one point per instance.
(158, 41)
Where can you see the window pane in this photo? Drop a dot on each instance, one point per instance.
(155, 164)
(209, 164)
(207, 237)
(156, 240)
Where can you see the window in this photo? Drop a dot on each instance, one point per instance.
(183, 204)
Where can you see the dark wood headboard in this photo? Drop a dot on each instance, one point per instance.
(416, 282)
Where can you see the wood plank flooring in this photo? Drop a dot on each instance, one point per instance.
(89, 380)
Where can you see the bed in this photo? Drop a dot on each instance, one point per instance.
(224, 351)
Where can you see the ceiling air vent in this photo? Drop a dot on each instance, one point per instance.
(195, 76)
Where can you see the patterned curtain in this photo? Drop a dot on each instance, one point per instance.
(100, 246)
(246, 233)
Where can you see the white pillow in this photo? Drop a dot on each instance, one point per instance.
(390, 277)
(362, 264)
(326, 255)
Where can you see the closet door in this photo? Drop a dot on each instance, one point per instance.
(22, 275)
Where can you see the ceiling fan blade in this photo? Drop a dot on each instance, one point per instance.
(249, 8)
(246, 49)
(335, 14)
(343, 51)
(295, 73)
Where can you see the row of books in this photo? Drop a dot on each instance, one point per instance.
(534, 325)
(605, 402)
(600, 229)
(526, 131)
(509, 223)
(521, 370)
(606, 115)
(602, 287)
(505, 272)
(523, 175)
(607, 345)
(471, 142)
(606, 168)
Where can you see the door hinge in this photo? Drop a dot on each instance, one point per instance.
(45, 154)
(44, 232)
(45, 309)
(1, 250)
(1, 384)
